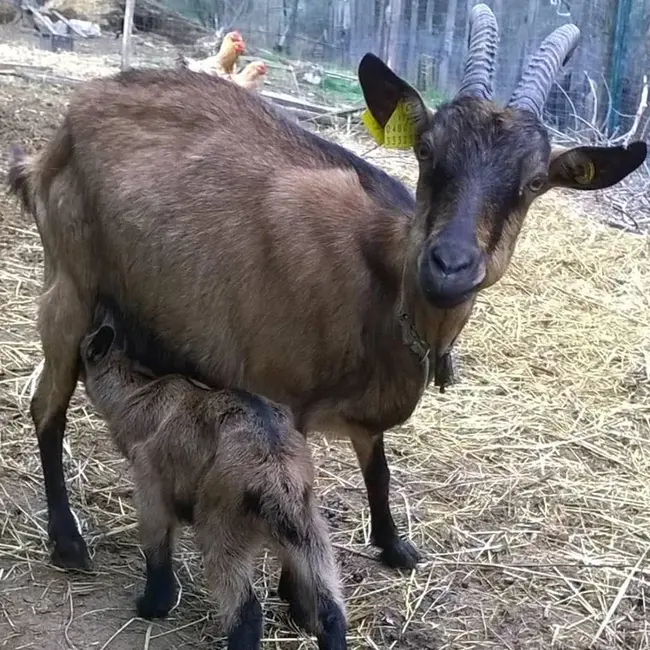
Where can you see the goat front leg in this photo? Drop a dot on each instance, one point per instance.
(62, 322)
(395, 552)
(160, 589)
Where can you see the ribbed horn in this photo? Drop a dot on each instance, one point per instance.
(536, 82)
(483, 42)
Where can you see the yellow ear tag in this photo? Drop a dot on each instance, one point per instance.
(372, 126)
(588, 173)
(399, 132)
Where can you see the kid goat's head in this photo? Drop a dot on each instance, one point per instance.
(482, 165)
(104, 352)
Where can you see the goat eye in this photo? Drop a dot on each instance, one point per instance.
(423, 151)
(537, 184)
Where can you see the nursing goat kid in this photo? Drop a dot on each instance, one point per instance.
(232, 464)
(250, 253)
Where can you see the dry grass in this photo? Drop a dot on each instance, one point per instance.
(527, 486)
(73, 64)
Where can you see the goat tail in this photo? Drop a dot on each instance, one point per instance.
(29, 177)
(19, 177)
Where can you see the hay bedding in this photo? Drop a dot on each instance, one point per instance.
(92, 58)
(527, 486)
(69, 64)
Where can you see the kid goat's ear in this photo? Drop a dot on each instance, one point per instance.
(100, 343)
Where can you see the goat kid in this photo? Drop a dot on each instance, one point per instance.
(232, 464)
(248, 252)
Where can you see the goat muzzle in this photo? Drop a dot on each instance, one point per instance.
(451, 271)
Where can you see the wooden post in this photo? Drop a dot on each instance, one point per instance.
(447, 49)
(617, 64)
(127, 29)
(394, 33)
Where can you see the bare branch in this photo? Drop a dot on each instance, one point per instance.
(643, 105)
(594, 92)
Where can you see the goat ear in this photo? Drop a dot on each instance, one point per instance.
(383, 90)
(594, 168)
(100, 343)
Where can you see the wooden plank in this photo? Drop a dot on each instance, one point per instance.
(42, 78)
(344, 112)
(339, 75)
(68, 24)
(289, 100)
(42, 19)
(30, 69)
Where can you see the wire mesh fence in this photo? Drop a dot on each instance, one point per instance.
(425, 40)
(598, 96)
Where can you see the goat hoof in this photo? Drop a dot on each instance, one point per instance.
(149, 608)
(400, 555)
(299, 615)
(71, 553)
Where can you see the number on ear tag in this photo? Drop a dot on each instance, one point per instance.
(399, 132)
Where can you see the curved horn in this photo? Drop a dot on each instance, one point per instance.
(479, 66)
(536, 82)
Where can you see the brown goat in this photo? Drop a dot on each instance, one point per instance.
(250, 253)
(232, 464)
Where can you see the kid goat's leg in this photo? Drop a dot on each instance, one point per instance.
(310, 579)
(229, 549)
(63, 319)
(156, 528)
(395, 552)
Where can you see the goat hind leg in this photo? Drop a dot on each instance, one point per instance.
(395, 552)
(62, 322)
(289, 590)
(310, 582)
(229, 552)
(246, 632)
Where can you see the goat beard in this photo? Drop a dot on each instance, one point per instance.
(446, 370)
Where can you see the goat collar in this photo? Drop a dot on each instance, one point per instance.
(445, 365)
(413, 340)
(418, 346)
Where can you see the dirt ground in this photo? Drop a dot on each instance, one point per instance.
(527, 486)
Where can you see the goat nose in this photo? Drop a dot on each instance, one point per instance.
(452, 258)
